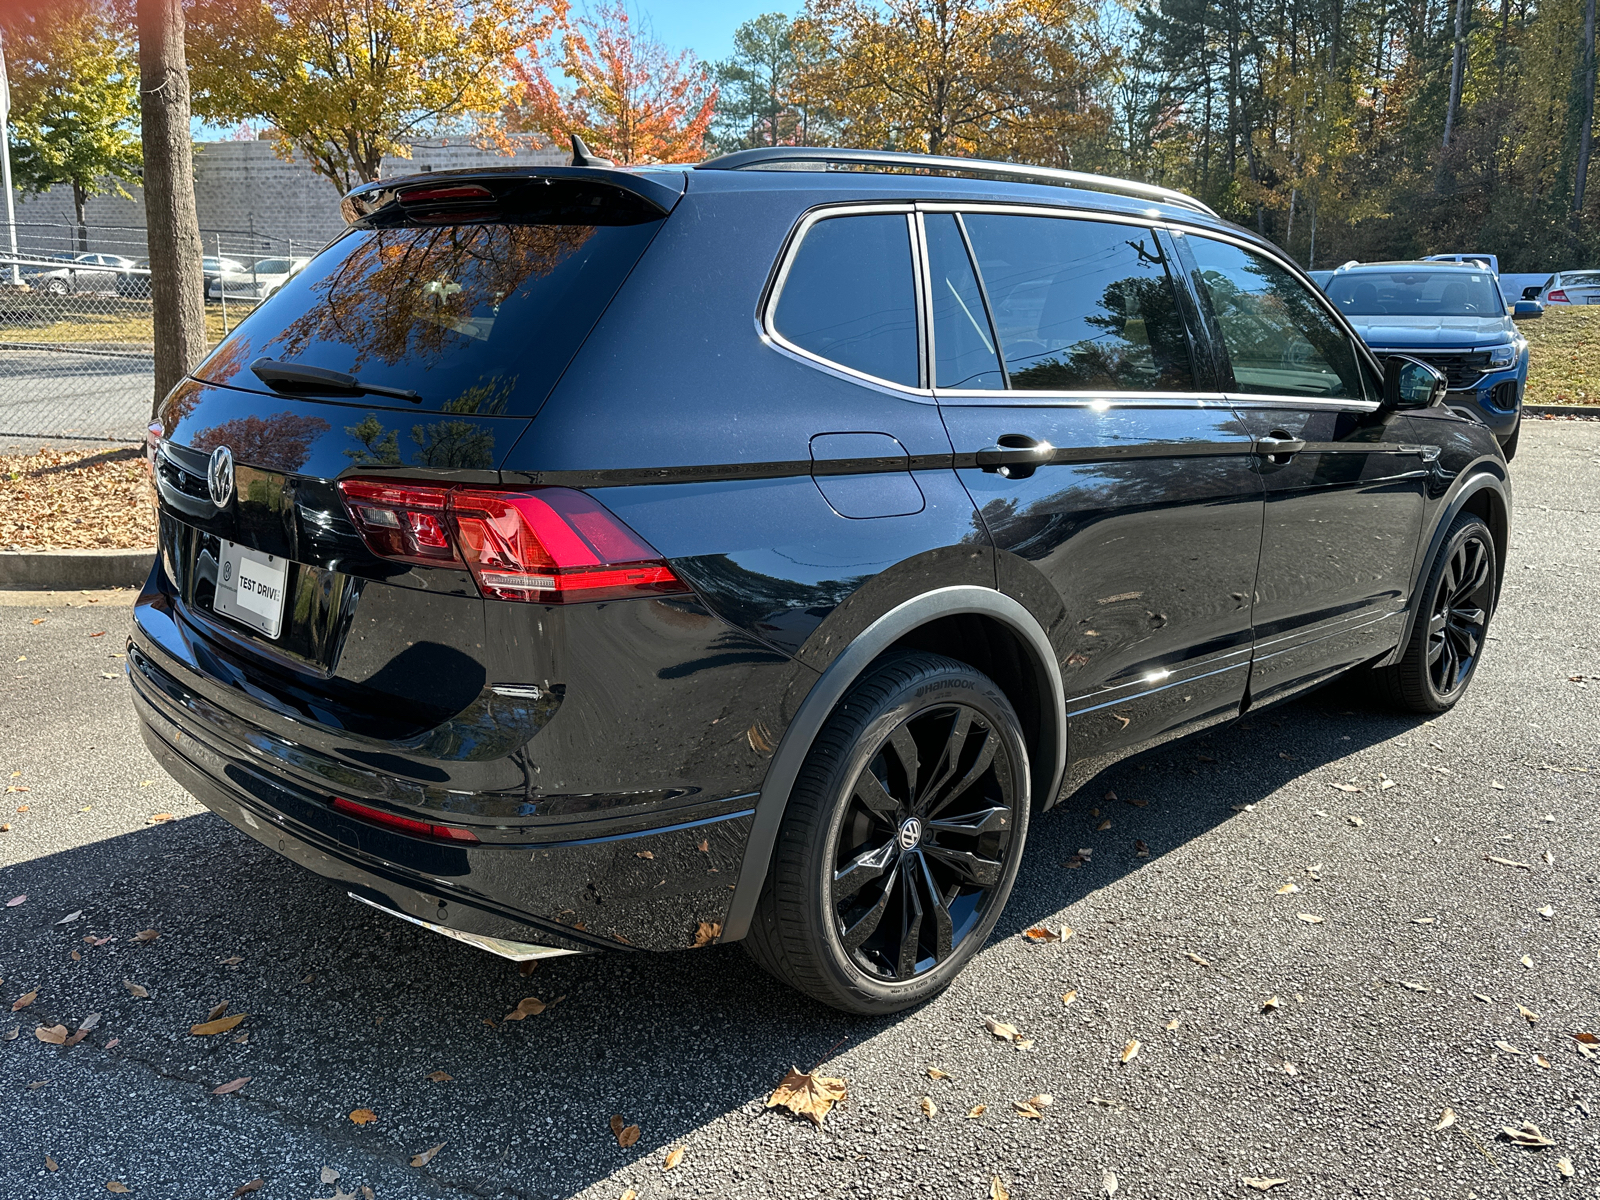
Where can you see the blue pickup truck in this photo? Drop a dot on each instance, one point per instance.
(1452, 316)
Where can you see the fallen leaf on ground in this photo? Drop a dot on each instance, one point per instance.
(929, 1108)
(1344, 787)
(1027, 1111)
(159, 818)
(708, 932)
(1484, 998)
(528, 1006)
(1130, 1051)
(363, 1116)
(1547, 912)
(1195, 958)
(806, 1095)
(1069, 997)
(329, 1175)
(51, 1035)
(997, 1190)
(135, 990)
(1271, 1003)
(1310, 918)
(16, 900)
(1290, 1069)
(1140, 850)
(426, 1157)
(1007, 1033)
(1564, 1165)
(1172, 1025)
(935, 1073)
(1587, 1039)
(1413, 987)
(207, 1028)
(23, 1001)
(1526, 961)
(1506, 862)
(1288, 889)
(630, 1194)
(117, 1188)
(440, 1077)
(51, 1164)
(70, 917)
(1526, 1134)
(1528, 1014)
(1354, 820)
(1263, 1183)
(674, 1157)
(244, 1189)
(1423, 920)
(217, 1011)
(233, 1085)
(1043, 933)
(1108, 1183)
(1446, 1119)
(976, 1111)
(1542, 1061)
(145, 935)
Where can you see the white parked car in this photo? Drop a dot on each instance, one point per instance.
(85, 273)
(255, 283)
(1572, 287)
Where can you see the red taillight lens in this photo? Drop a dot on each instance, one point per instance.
(401, 521)
(1559, 296)
(445, 833)
(435, 193)
(548, 545)
(554, 545)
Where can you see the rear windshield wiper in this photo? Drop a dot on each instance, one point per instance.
(272, 372)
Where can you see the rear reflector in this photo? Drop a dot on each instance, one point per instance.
(548, 545)
(444, 833)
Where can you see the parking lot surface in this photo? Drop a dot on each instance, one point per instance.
(1306, 970)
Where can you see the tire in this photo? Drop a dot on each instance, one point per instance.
(1452, 622)
(1509, 449)
(947, 848)
(58, 287)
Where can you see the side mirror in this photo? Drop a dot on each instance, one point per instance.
(1525, 310)
(1411, 383)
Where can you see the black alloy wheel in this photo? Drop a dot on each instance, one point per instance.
(1451, 625)
(923, 842)
(901, 839)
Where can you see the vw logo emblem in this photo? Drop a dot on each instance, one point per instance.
(910, 833)
(219, 476)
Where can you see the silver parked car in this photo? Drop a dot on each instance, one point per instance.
(84, 273)
(255, 283)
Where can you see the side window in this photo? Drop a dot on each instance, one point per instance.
(963, 342)
(1279, 339)
(1081, 305)
(850, 296)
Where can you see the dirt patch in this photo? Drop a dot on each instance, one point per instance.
(75, 500)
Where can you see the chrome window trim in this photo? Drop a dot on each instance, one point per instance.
(1258, 400)
(1102, 401)
(766, 314)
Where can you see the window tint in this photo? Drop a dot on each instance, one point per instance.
(963, 342)
(1280, 340)
(850, 298)
(1081, 305)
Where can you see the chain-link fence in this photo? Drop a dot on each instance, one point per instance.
(76, 340)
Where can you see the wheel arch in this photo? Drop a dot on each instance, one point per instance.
(1485, 494)
(964, 622)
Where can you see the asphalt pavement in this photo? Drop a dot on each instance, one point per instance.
(1445, 906)
(74, 392)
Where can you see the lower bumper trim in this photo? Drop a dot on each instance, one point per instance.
(515, 951)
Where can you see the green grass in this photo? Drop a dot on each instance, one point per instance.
(1564, 363)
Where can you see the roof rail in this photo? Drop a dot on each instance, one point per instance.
(799, 158)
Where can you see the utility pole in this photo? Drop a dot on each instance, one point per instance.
(5, 165)
(176, 275)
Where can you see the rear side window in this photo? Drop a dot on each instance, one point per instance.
(1280, 340)
(476, 318)
(963, 340)
(850, 297)
(1081, 305)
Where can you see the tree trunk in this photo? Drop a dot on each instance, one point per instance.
(176, 275)
(80, 201)
(1586, 133)
(1458, 69)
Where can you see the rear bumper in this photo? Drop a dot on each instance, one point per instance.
(645, 889)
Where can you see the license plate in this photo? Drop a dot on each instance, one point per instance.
(251, 587)
(1591, 299)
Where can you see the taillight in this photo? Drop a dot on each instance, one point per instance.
(446, 833)
(1559, 296)
(401, 521)
(548, 545)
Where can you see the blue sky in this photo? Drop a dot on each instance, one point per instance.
(704, 26)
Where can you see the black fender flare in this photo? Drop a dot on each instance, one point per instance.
(830, 688)
(1478, 481)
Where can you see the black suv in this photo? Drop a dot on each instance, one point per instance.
(579, 558)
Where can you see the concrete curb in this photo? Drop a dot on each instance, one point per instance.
(43, 570)
(1561, 410)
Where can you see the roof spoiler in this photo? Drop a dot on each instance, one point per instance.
(654, 193)
(800, 158)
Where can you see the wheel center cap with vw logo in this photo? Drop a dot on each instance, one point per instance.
(219, 476)
(910, 833)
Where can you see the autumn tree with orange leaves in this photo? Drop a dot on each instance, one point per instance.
(630, 99)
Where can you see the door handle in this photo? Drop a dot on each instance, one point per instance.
(1279, 445)
(1015, 456)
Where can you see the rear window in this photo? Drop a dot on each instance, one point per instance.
(477, 317)
(1448, 293)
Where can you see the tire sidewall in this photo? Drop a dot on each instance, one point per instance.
(930, 689)
(1464, 529)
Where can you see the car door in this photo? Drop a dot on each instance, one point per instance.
(1121, 495)
(1343, 476)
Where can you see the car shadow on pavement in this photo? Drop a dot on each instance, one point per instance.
(350, 1009)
